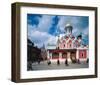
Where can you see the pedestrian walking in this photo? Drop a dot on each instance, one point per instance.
(78, 61)
(66, 62)
(87, 61)
(29, 65)
(58, 62)
(48, 62)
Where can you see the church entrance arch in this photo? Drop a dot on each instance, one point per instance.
(55, 55)
(73, 56)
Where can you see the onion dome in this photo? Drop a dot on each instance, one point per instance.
(68, 28)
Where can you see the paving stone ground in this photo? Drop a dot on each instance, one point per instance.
(53, 66)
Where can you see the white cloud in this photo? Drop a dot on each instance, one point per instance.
(62, 22)
(30, 28)
(39, 38)
(45, 23)
(86, 31)
(39, 34)
(75, 31)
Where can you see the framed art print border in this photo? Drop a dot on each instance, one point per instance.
(16, 41)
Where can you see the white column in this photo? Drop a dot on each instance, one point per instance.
(87, 54)
(77, 54)
(47, 54)
(68, 56)
(50, 56)
(60, 55)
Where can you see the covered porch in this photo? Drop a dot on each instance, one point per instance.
(62, 54)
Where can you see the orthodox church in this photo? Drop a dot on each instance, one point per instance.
(68, 47)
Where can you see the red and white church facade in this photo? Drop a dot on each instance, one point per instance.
(68, 47)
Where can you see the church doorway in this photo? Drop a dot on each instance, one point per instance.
(73, 57)
(55, 55)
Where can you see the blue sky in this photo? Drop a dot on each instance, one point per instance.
(44, 28)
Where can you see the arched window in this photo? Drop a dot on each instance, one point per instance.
(82, 54)
(70, 44)
(64, 55)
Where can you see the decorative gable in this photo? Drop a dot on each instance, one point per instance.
(76, 44)
(69, 44)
